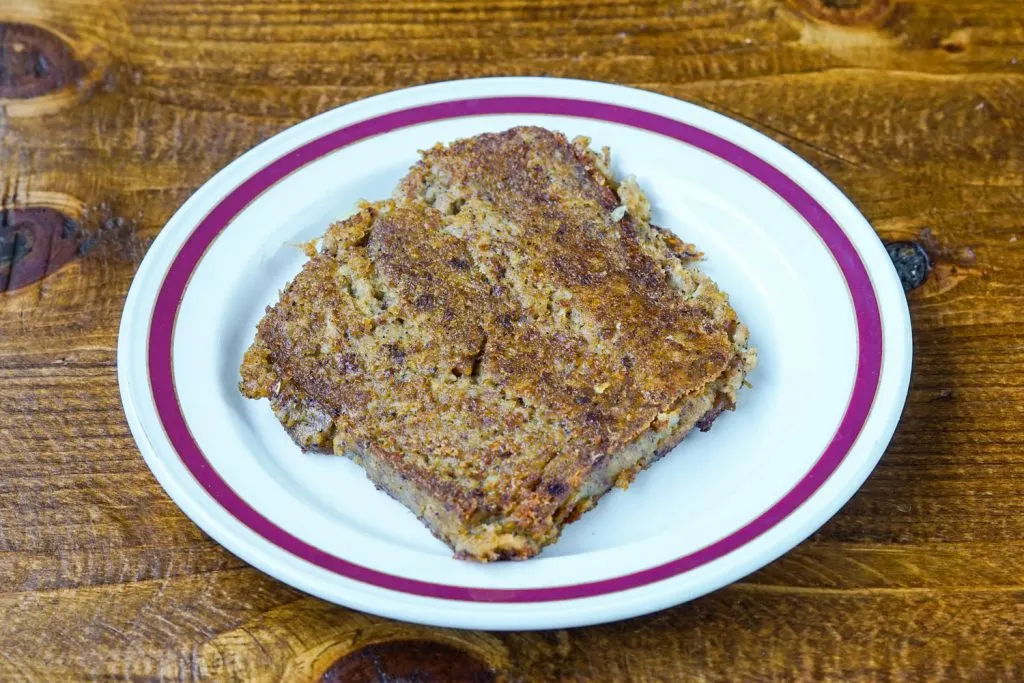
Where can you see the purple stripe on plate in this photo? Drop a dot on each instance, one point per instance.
(869, 330)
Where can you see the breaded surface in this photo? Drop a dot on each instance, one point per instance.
(500, 342)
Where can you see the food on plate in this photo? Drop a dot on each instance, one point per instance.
(500, 342)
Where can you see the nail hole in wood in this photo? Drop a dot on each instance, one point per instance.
(911, 262)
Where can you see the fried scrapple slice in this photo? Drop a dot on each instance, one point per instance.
(501, 342)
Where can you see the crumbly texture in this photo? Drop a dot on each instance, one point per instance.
(501, 341)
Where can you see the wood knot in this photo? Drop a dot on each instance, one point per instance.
(35, 242)
(848, 12)
(911, 262)
(34, 62)
(424, 661)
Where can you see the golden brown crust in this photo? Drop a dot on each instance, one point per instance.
(495, 336)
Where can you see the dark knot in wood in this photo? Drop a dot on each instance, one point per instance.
(35, 242)
(34, 62)
(911, 261)
(848, 12)
(423, 661)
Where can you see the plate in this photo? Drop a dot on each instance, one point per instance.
(802, 267)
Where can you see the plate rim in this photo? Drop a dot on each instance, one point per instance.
(515, 88)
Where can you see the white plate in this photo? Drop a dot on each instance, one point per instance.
(803, 269)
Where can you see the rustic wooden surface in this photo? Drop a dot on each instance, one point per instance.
(113, 111)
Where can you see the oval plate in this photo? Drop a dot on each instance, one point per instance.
(802, 267)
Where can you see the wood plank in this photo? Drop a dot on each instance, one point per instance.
(913, 108)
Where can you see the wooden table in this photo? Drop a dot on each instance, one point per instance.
(114, 111)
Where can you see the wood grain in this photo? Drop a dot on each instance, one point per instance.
(912, 107)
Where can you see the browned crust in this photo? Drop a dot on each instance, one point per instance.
(495, 336)
(445, 523)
